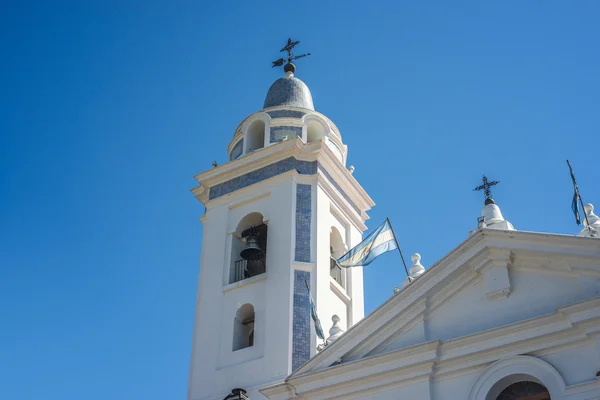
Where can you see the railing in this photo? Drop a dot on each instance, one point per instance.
(244, 269)
(336, 271)
(239, 270)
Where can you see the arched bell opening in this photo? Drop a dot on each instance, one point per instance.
(315, 130)
(255, 136)
(337, 249)
(243, 327)
(248, 248)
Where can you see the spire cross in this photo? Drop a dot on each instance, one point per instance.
(486, 187)
(290, 56)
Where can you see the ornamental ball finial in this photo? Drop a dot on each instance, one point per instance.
(289, 67)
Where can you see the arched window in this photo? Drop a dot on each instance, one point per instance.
(314, 130)
(524, 391)
(337, 249)
(241, 268)
(255, 136)
(243, 327)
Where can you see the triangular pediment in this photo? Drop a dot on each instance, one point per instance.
(493, 279)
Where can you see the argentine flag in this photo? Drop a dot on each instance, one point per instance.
(378, 242)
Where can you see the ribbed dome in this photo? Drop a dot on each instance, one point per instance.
(289, 91)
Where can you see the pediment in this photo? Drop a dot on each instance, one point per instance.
(492, 280)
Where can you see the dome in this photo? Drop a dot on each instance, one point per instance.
(289, 91)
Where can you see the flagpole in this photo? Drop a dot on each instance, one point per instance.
(398, 246)
(579, 197)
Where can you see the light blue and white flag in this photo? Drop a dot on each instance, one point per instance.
(314, 316)
(378, 242)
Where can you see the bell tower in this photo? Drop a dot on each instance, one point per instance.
(276, 214)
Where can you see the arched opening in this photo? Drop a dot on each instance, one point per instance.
(255, 136)
(518, 387)
(314, 131)
(524, 391)
(241, 268)
(337, 249)
(236, 152)
(243, 327)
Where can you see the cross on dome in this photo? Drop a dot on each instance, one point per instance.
(486, 189)
(289, 67)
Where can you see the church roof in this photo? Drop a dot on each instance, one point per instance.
(289, 91)
(472, 255)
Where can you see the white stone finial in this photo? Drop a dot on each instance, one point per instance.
(491, 218)
(417, 269)
(336, 331)
(593, 230)
(351, 169)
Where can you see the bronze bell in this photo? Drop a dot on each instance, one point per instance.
(252, 251)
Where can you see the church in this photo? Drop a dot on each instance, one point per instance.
(507, 314)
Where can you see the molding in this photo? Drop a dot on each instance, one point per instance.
(543, 372)
(296, 148)
(437, 360)
(480, 251)
(245, 282)
(303, 266)
(339, 291)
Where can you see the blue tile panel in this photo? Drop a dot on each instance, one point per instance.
(303, 215)
(285, 114)
(300, 321)
(281, 133)
(237, 150)
(259, 175)
(278, 168)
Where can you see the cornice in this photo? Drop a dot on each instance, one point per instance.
(440, 359)
(483, 248)
(407, 360)
(396, 305)
(296, 148)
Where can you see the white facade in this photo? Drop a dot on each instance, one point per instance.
(503, 307)
(253, 329)
(504, 311)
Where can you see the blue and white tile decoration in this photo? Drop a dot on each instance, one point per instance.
(278, 168)
(303, 215)
(259, 175)
(280, 133)
(285, 114)
(237, 150)
(301, 321)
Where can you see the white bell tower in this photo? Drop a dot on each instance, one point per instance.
(287, 183)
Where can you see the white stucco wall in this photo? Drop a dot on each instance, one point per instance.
(534, 293)
(216, 369)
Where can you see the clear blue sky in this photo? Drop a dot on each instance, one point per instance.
(108, 109)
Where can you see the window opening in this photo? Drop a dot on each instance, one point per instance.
(250, 253)
(243, 328)
(337, 249)
(256, 136)
(524, 391)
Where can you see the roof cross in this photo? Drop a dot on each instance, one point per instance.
(486, 188)
(290, 56)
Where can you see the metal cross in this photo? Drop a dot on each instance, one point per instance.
(290, 57)
(486, 187)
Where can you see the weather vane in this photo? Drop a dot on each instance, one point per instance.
(290, 57)
(486, 189)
